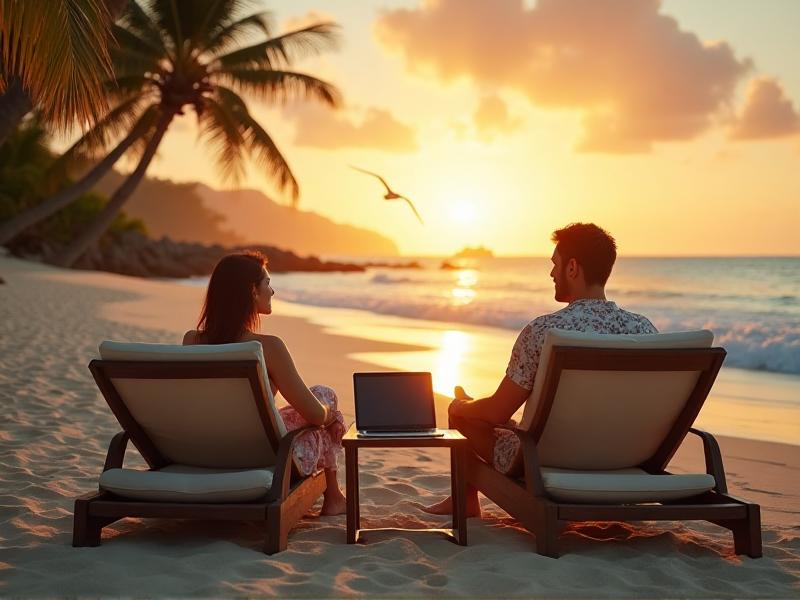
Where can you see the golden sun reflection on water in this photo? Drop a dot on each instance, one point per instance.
(463, 293)
(453, 345)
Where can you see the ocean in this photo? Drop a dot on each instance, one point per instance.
(471, 315)
(751, 304)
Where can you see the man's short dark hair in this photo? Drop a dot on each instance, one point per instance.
(592, 247)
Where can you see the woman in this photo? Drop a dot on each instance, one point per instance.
(238, 292)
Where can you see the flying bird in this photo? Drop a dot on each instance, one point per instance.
(390, 194)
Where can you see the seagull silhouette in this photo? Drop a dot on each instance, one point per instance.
(390, 194)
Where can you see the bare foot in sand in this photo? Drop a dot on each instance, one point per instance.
(333, 504)
(445, 507)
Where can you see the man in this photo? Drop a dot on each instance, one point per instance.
(582, 262)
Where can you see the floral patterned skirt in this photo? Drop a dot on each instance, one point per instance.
(316, 450)
(506, 457)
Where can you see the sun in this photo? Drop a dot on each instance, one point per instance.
(463, 211)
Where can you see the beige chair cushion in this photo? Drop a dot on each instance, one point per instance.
(182, 483)
(610, 419)
(623, 486)
(204, 422)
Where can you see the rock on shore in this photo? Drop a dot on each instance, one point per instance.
(132, 253)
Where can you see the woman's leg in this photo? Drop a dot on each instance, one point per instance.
(334, 502)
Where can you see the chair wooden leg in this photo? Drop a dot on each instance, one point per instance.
(547, 530)
(283, 515)
(277, 531)
(86, 529)
(747, 533)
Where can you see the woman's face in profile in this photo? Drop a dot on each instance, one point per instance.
(263, 295)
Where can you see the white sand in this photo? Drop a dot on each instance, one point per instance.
(55, 427)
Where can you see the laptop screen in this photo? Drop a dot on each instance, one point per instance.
(394, 401)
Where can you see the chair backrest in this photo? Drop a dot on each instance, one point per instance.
(200, 405)
(602, 401)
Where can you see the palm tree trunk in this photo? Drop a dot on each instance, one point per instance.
(13, 227)
(98, 227)
(15, 103)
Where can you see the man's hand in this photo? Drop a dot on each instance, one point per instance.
(457, 406)
(459, 403)
(460, 394)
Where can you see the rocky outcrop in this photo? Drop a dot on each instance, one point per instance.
(132, 253)
(412, 264)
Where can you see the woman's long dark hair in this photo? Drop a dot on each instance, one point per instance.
(230, 309)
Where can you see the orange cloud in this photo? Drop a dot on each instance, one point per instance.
(767, 112)
(634, 74)
(377, 129)
(492, 117)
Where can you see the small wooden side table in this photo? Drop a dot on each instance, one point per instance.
(452, 439)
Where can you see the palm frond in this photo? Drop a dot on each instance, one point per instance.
(221, 124)
(284, 49)
(213, 15)
(130, 60)
(183, 21)
(265, 152)
(259, 144)
(123, 87)
(139, 22)
(142, 123)
(130, 41)
(118, 121)
(278, 86)
(233, 32)
(59, 50)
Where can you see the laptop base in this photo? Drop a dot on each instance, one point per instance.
(404, 434)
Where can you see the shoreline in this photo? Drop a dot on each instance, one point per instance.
(56, 428)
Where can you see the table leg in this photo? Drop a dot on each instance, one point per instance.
(351, 477)
(458, 494)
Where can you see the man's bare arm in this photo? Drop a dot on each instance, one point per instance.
(497, 408)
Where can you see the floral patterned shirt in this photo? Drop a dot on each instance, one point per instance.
(589, 315)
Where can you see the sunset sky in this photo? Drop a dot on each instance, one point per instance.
(675, 125)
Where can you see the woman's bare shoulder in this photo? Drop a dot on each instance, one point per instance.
(270, 342)
(190, 337)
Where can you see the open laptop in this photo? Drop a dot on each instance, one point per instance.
(398, 404)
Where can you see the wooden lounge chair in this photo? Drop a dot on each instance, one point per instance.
(604, 418)
(204, 419)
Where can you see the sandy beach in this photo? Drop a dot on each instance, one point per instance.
(56, 427)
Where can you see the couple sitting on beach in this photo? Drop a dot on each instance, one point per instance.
(239, 291)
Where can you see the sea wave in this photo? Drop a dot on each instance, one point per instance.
(516, 283)
(384, 278)
(764, 342)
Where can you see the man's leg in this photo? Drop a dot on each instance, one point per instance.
(480, 436)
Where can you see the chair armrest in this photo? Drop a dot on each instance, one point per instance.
(116, 451)
(530, 462)
(714, 464)
(283, 463)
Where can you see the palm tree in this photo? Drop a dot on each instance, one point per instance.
(172, 55)
(54, 56)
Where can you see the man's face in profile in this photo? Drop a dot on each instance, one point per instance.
(557, 273)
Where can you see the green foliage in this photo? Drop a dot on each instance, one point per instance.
(25, 161)
(65, 224)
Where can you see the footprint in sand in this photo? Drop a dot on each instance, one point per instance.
(437, 580)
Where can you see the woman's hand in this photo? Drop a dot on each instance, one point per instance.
(330, 417)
